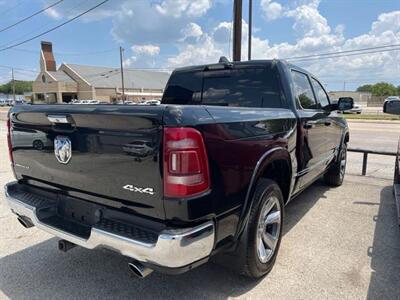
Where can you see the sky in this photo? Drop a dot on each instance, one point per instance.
(166, 34)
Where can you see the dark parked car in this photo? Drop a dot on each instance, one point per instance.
(392, 106)
(230, 145)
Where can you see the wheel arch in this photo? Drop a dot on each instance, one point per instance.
(274, 159)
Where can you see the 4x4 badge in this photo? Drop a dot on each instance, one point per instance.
(62, 149)
(135, 189)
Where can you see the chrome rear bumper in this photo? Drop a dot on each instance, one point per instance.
(174, 247)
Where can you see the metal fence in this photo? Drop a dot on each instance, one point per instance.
(365, 153)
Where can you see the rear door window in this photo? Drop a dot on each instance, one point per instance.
(303, 90)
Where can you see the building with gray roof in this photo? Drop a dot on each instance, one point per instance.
(73, 81)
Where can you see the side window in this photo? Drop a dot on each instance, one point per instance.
(320, 93)
(304, 91)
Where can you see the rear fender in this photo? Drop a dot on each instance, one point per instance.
(277, 153)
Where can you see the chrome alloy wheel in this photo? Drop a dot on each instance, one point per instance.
(269, 228)
(343, 159)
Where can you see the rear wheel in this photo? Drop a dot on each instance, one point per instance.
(264, 230)
(335, 175)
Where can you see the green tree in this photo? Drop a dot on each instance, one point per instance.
(21, 87)
(384, 89)
(398, 90)
(365, 88)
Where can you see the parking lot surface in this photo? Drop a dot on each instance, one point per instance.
(339, 243)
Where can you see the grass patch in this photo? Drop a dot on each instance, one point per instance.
(371, 117)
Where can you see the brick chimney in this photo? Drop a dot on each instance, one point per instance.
(47, 61)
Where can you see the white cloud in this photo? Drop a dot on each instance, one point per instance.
(143, 56)
(271, 10)
(53, 13)
(205, 51)
(386, 22)
(308, 21)
(142, 22)
(71, 8)
(176, 8)
(150, 50)
(222, 33)
(191, 32)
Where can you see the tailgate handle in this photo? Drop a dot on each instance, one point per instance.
(58, 119)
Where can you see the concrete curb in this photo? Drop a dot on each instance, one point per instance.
(373, 121)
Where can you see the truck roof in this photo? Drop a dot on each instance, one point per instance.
(248, 63)
(234, 63)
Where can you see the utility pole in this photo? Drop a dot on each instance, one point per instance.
(13, 83)
(237, 30)
(250, 25)
(344, 85)
(122, 73)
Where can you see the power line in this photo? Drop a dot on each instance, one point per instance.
(38, 29)
(69, 54)
(20, 69)
(344, 55)
(31, 16)
(341, 52)
(56, 27)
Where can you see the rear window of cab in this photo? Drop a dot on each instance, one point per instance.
(236, 87)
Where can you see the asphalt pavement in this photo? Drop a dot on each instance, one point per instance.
(339, 243)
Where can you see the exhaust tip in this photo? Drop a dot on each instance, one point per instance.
(139, 270)
(24, 221)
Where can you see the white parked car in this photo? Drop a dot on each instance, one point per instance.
(31, 138)
(150, 102)
(357, 108)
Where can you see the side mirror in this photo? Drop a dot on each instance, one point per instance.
(345, 103)
(392, 107)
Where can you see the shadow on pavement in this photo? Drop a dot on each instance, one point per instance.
(43, 272)
(385, 251)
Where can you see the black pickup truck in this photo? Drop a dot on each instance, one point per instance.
(208, 171)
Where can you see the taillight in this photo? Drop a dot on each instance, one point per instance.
(186, 170)
(9, 141)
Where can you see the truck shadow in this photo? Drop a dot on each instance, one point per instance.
(385, 251)
(43, 272)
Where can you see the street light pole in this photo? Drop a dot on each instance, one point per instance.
(122, 73)
(250, 25)
(237, 30)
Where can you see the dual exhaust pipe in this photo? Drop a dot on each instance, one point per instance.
(138, 269)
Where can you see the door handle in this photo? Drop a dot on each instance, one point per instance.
(328, 123)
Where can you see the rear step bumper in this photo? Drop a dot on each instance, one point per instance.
(172, 248)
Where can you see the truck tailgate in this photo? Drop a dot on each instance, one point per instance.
(115, 152)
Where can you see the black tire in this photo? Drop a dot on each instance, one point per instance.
(38, 145)
(335, 174)
(396, 179)
(267, 193)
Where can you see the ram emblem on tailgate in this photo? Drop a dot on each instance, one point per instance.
(62, 149)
